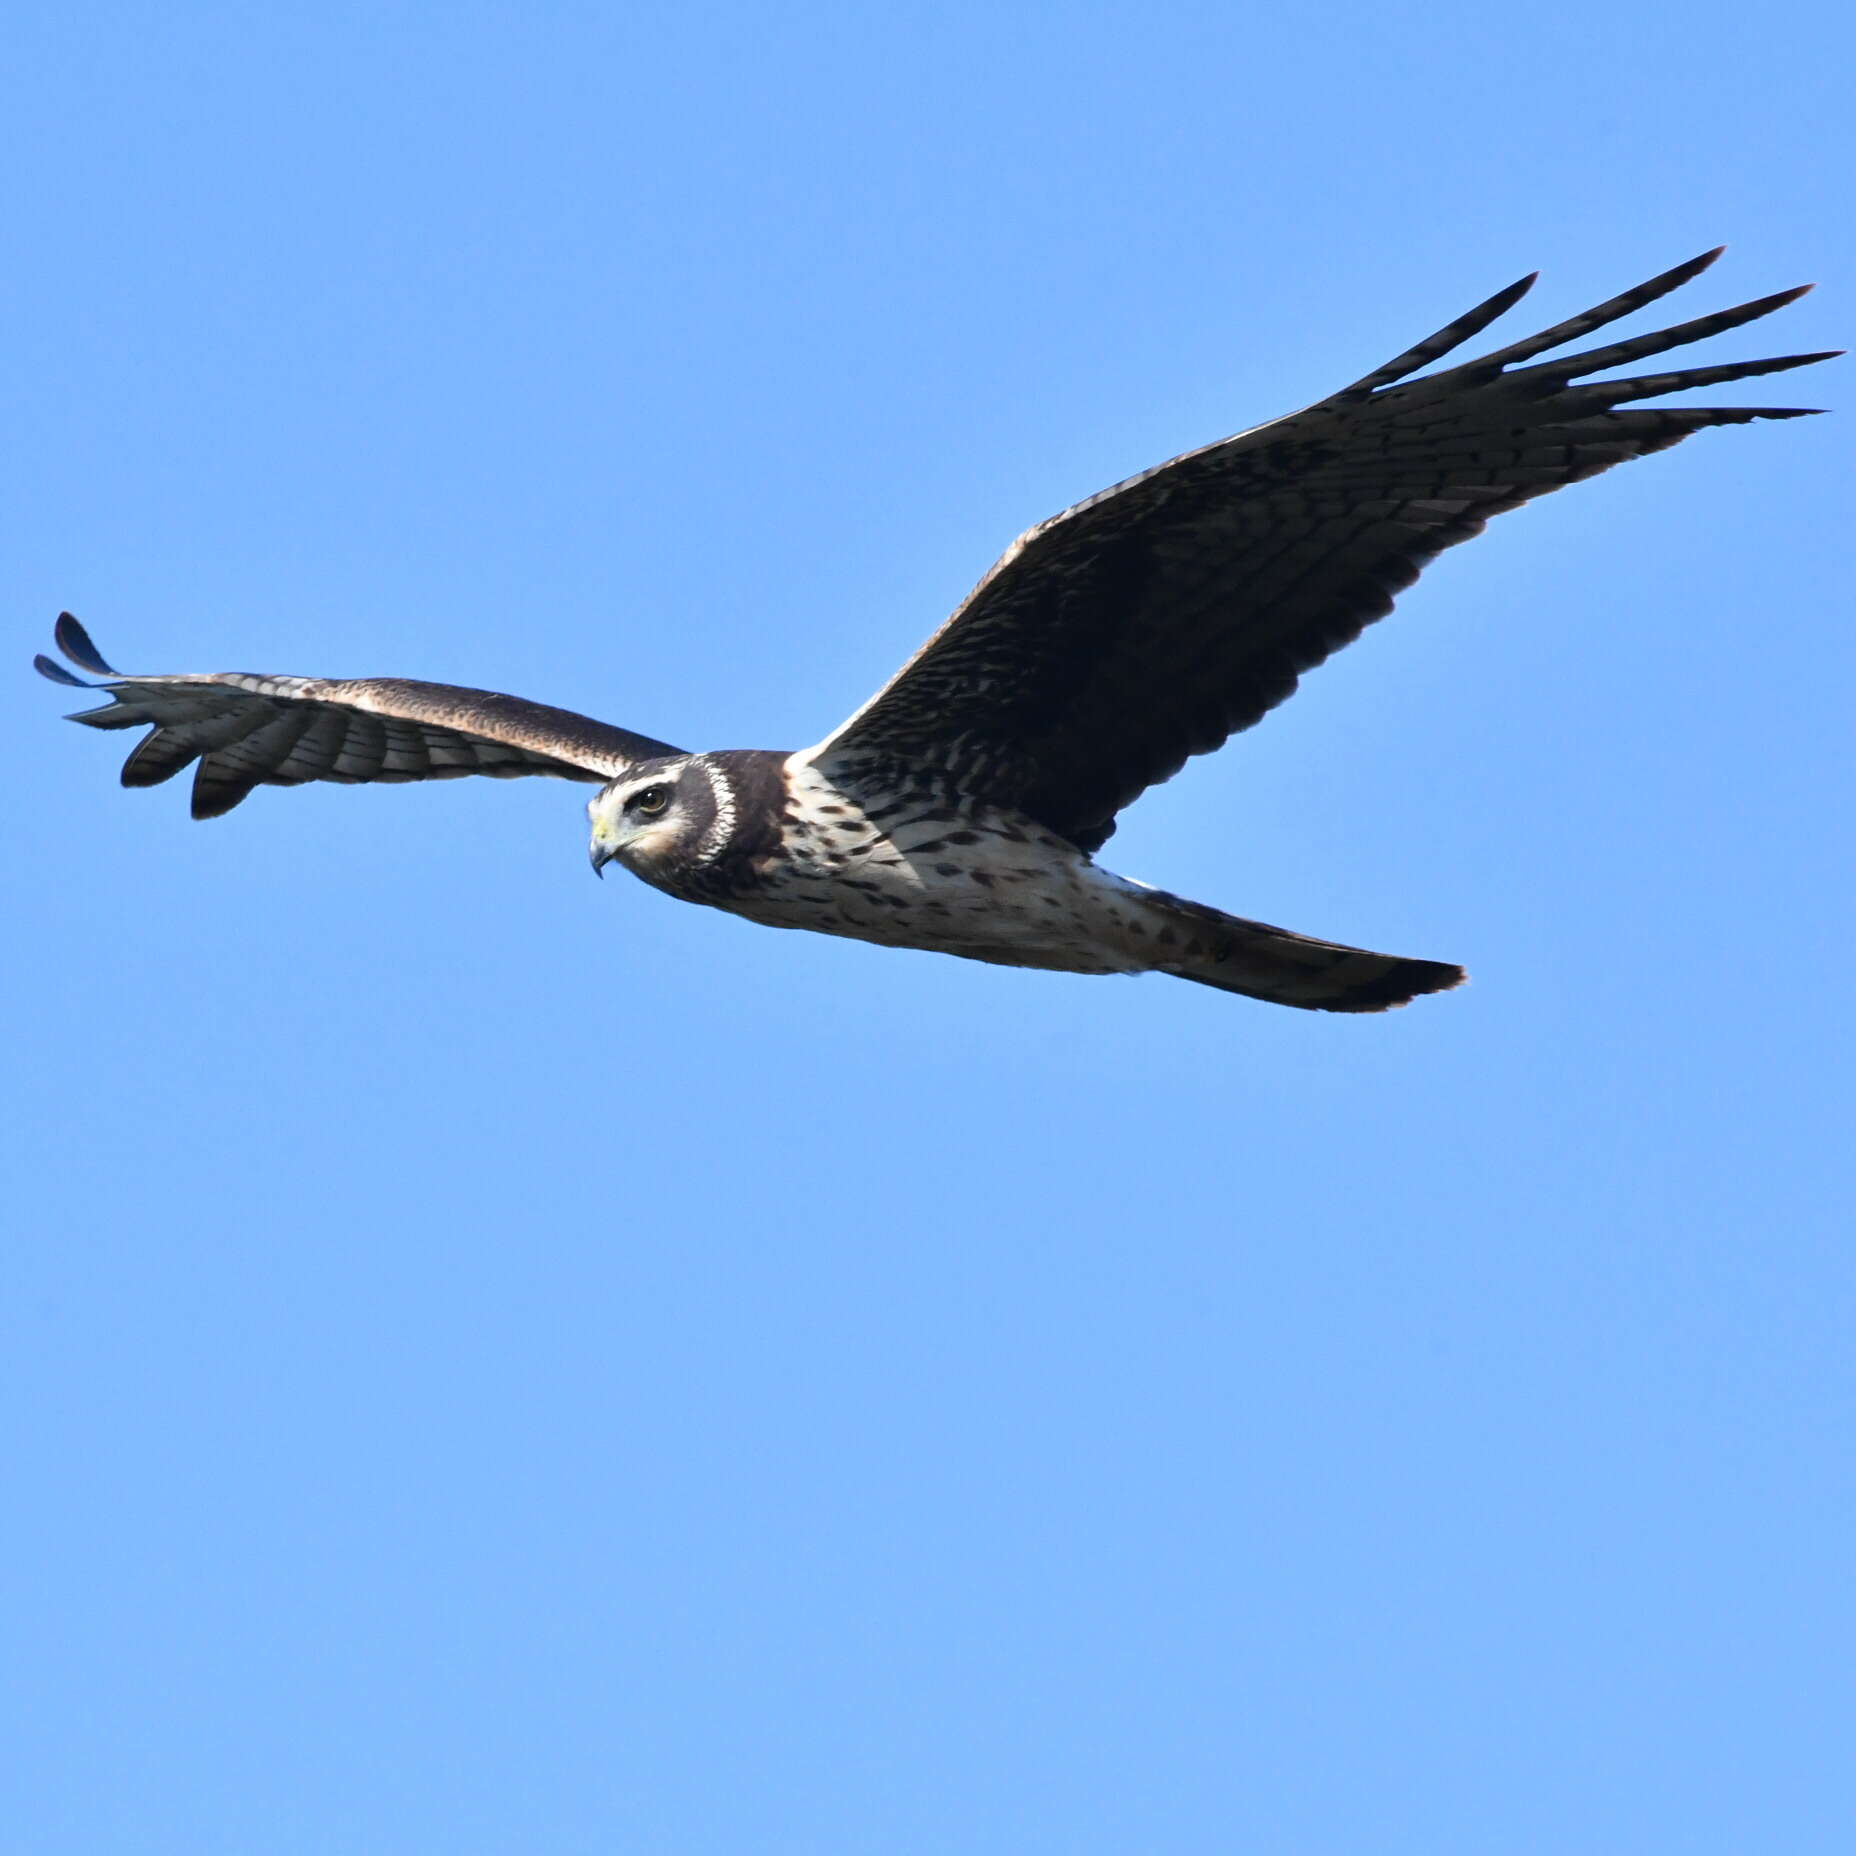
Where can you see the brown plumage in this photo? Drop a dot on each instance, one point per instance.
(958, 810)
(1153, 621)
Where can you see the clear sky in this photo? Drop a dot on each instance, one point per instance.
(494, 1363)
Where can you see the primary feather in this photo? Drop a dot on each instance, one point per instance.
(1152, 621)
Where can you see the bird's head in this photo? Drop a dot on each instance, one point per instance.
(654, 818)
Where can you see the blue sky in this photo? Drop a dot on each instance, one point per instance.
(494, 1363)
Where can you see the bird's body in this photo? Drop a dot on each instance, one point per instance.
(885, 855)
(928, 871)
(904, 864)
(960, 809)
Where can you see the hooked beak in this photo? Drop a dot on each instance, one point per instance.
(601, 850)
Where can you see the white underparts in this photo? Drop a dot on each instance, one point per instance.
(920, 867)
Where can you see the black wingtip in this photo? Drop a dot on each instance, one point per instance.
(1677, 275)
(1504, 300)
(76, 644)
(1779, 298)
(1434, 347)
(213, 796)
(58, 674)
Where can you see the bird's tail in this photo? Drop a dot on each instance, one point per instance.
(1261, 962)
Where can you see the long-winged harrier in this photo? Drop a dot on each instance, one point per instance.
(959, 809)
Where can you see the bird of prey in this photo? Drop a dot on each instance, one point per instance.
(960, 809)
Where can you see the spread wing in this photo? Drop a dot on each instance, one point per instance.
(248, 731)
(1150, 622)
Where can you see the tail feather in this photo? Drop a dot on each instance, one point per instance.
(1283, 968)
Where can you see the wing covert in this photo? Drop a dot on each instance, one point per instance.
(1150, 622)
(247, 731)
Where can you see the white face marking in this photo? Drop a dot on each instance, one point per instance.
(639, 833)
(722, 826)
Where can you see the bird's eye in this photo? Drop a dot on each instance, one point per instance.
(651, 801)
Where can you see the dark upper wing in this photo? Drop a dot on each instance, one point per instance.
(248, 731)
(1152, 621)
